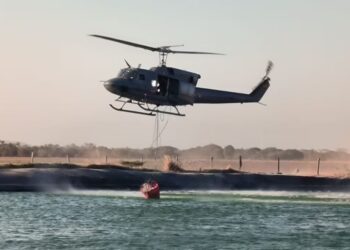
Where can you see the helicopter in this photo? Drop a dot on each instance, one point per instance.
(149, 89)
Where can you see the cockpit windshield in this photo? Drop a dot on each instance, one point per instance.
(127, 73)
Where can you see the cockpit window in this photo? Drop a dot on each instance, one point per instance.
(127, 74)
(123, 73)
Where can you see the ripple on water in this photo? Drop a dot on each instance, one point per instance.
(179, 220)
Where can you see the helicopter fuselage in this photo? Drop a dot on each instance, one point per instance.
(173, 87)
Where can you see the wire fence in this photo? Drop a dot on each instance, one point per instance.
(286, 167)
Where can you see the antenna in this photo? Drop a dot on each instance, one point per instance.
(129, 66)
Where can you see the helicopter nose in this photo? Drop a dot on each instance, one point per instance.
(116, 86)
(109, 85)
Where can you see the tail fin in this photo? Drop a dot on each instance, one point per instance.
(260, 90)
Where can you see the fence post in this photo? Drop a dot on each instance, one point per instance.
(278, 165)
(318, 166)
(32, 158)
(68, 160)
(212, 161)
(240, 163)
(106, 159)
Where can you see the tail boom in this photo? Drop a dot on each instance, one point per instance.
(203, 95)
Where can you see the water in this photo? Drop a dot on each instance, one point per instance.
(180, 220)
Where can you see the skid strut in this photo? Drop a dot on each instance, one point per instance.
(156, 110)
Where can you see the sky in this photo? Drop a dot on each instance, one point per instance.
(50, 89)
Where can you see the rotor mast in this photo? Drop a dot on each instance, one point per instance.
(164, 51)
(162, 58)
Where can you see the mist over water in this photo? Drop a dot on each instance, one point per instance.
(179, 220)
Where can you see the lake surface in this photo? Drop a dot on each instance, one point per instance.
(179, 220)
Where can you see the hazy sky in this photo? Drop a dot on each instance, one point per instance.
(50, 71)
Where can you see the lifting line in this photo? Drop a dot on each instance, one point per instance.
(157, 131)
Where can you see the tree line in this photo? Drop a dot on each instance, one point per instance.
(89, 150)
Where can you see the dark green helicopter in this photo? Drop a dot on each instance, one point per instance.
(167, 86)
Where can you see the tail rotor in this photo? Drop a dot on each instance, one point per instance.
(268, 69)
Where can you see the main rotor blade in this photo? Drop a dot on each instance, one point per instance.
(162, 49)
(126, 42)
(194, 52)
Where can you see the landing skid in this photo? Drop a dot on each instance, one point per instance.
(150, 111)
(131, 111)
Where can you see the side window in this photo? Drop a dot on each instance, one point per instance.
(142, 77)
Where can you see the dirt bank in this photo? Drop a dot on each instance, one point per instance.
(48, 177)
